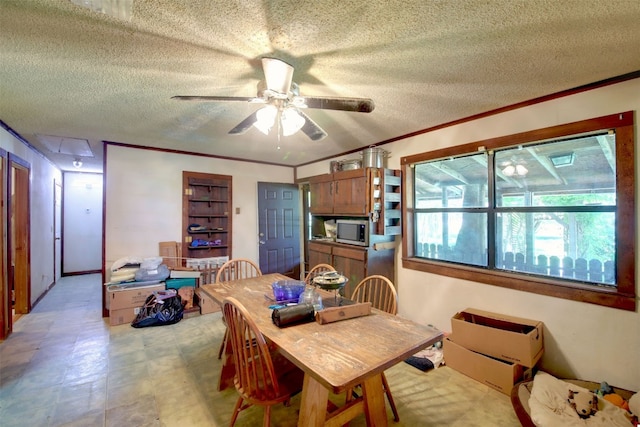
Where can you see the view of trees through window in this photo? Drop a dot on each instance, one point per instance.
(546, 208)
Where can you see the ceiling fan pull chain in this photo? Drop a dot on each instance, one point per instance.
(279, 129)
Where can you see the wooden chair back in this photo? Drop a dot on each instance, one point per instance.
(319, 268)
(255, 374)
(236, 269)
(258, 380)
(379, 291)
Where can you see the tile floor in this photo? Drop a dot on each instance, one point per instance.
(65, 366)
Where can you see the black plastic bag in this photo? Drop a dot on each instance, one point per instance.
(158, 310)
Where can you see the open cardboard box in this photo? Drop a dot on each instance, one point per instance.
(505, 337)
(498, 374)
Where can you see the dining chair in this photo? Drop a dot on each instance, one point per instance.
(262, 377)
(319, 268)
(235, 269)
(380, 292)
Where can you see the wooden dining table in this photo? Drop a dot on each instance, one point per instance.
(334, 356)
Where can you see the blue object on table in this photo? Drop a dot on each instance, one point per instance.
(287, 290)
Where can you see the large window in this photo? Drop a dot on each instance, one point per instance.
(550, 211)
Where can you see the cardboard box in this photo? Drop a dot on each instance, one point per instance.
(171, 253)
(207, 305)
(509, 338)
(119, 297)
(122, 316)
(495, 373)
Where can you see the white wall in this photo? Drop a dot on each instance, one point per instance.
(82, 230)
(144, 199)
(582, 340)
(42, 176)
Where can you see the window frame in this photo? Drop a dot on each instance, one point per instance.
(623, 296)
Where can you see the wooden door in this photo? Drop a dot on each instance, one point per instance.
(19, 249)
(350, 192)
(279, 228)
(351, 262)
(321, 194)
(5, 294)
(319, 253)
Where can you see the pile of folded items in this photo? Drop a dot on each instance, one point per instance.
(136, 271)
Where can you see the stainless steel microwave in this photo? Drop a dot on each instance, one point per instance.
(352, 231)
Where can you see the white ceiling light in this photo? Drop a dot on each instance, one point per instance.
(120, 9)
(77, 163)
(291, 121)
(266, 118)
(518, 170)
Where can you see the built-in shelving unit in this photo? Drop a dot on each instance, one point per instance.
(206, 215)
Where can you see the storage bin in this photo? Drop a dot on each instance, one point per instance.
(178, 283)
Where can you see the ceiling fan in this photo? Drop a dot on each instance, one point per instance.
(284, 103)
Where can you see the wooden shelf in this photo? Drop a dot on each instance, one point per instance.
(198, 248)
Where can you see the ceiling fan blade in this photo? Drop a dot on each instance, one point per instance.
(311, 129)
(214, 98)
(244, 125)
(277, 74)
(360, 105)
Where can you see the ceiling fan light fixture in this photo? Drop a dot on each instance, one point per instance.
(291, 121)
(517, 170)
(280, 93)
(266, 117)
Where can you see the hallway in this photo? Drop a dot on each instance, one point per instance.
(65, 366)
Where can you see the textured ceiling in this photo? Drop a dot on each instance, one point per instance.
(69, 72)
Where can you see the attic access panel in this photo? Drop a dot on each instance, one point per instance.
(64, 145)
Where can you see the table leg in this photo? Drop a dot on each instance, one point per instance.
(313, 405)
(374, 405)
(228, 369)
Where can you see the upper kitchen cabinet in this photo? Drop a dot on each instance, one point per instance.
(339, 193)
(321, 190)
(206, 219)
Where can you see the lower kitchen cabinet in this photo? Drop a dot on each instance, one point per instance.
(354, 262)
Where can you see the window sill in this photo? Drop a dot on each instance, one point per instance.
(534, 284)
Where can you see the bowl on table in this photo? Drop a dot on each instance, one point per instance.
(287, 290)
(330, 280)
